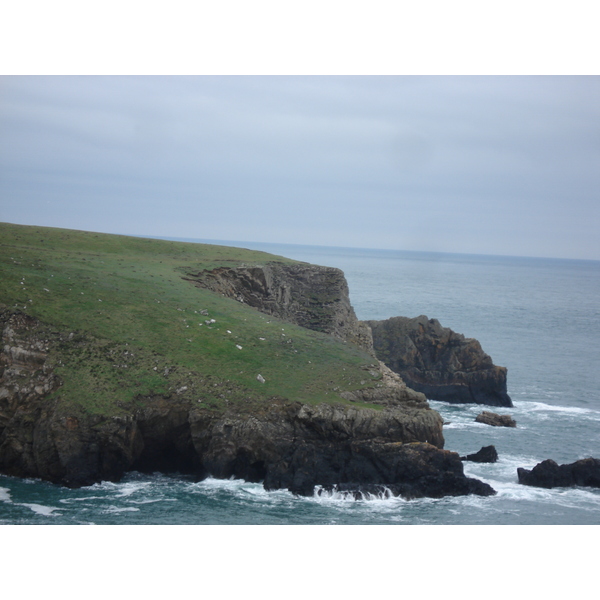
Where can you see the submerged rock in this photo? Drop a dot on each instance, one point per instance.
(495, 420)
(487, 454)
(438, 362)
(549, 474)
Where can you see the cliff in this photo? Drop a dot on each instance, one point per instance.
(283, 443)
(113, 361)
(438, 362)
(308, 295)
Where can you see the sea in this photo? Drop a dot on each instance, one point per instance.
(538, 317)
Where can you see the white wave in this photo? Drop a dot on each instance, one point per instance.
(502, 476)
(152, 500)
(240, 489)
(40, 509)
(577, 498)
(122, 489)
(542, 406)
(85, 499)
(344, 496)
(459, 425)
(459, 414)
(213, 482)
(5, 495)
(212, 485)
(504, 471)
(118, 509)
(131, 488)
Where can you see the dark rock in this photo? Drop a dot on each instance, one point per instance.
(438, 362)
(487, 454)
(431, 487)
(548, 474)
(282, 443)
(297, 446)
(490, 418)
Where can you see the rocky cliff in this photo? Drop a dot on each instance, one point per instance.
(285, 444)
(438, 362)
(308, 295)
(108, 364)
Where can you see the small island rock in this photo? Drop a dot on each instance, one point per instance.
(487, 454)
(549, 474)
(440, 363)
(490, 418)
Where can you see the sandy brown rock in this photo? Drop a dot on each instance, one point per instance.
(495, 420)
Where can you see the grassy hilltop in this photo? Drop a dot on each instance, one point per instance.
(122, 323)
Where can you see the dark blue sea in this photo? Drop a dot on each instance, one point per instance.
(540, 318)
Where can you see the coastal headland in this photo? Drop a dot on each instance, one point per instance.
(122, 353)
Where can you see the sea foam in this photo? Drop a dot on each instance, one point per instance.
(40, 509)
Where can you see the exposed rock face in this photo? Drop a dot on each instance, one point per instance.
(548, 474)
(298, 447)
(282, 443)
(439, 485)
(490, 418)
(438, 362)
(308, 295)
(390, 391)
(487, 454)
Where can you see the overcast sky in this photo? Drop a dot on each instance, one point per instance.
(487, 165)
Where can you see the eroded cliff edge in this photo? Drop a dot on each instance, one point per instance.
(281, 441)
(440, 363)
(285, 444)
(308, 295)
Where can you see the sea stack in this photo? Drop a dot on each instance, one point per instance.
(440, 363)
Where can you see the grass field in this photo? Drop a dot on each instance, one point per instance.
(139, 329)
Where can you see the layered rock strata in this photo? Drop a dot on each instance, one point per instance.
(438, 362)
(308, 295)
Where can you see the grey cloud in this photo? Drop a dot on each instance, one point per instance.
(478, 164)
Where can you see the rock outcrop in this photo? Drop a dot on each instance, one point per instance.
(284, 444)
(438, 362)
(495, 420)
(308, 295)
(487, 454)
(549, 474)
(389, 391)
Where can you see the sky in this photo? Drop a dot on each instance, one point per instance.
(504, 165)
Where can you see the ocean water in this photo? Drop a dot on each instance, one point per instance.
(540, 318)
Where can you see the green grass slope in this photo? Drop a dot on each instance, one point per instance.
(138, 329)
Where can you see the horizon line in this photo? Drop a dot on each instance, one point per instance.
(225, 242)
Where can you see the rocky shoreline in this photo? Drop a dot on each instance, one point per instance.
(282, 443)
(382, 434)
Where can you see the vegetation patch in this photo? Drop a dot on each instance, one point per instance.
(129, 326)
